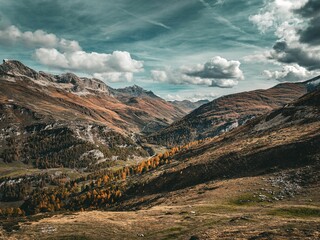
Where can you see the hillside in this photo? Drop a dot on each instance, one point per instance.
(228, 112)
(258, 181)
(288, 137)
(72, 97)
(59, 120)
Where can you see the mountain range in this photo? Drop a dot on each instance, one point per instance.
(88, 115)
(242, 166)
(228, 112)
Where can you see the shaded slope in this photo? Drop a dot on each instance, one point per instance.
(285, 138)
(228, 112)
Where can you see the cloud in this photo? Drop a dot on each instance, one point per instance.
(177, 76)
(264, 21)
(114, 67)
(114, 76)
(298, 53)
(39, 38)
(217, 72)
(310, 11)
(218, 68)
(274, 13)
(290, 73)
(61, 53)
(293, 23)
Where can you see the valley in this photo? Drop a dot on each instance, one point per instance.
(126, 164)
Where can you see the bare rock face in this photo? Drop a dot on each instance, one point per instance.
(13, 69)
(16, 68)
(80, 84)
(136, 91)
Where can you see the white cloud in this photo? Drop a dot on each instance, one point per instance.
(217, 72)
(114, 76)
(114, 67)
(264, 21)
(177, 76)
(60, 53)
(275, 12)
(290, 73)
(38, 38)
(224, 83)
(299, 60)
(217, 68)
(51, 57)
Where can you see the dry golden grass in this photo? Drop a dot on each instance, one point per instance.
(205, 210)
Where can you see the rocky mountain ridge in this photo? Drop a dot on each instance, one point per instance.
(70, 116)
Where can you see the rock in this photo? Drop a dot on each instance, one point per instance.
(194, 237)
(262, 197)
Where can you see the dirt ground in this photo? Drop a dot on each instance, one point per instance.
(274, 206)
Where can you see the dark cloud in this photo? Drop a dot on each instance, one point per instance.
(284, 53)
(311, 34)
(311, 11)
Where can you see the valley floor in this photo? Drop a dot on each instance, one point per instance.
(283, 205)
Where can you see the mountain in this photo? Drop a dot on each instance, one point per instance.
(55, 119)
(189, 106)
(258, 181)
(135, 91)
(128, 109)
(228, 112)
(285, 138)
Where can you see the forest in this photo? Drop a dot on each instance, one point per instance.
(98, 190)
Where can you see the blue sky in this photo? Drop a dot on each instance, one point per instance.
(182, 49)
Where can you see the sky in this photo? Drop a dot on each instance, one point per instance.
(179, 49)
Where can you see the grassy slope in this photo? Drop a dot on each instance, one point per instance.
(207, 210)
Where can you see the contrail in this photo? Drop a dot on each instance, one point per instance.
(221, 19)
(146, 20)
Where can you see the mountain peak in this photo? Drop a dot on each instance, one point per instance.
(16, 68)
(136, 91)
(68, 78)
